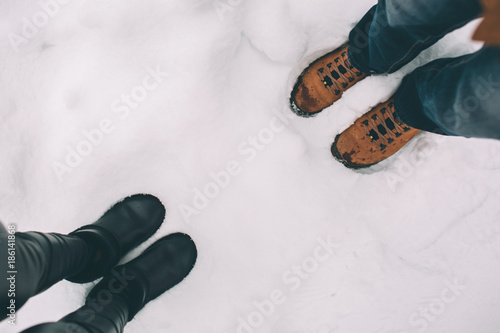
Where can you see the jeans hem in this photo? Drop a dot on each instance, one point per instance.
(408, 107)
(357, 64)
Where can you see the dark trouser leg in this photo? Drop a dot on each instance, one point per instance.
(394, 32)
(58, 327)
(122, 293)
(40, 261)
(458, 96)
(96, 316)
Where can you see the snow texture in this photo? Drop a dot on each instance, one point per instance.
(289, 240)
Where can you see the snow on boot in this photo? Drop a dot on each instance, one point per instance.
(375, 136)
(122, 228)
(323, 82)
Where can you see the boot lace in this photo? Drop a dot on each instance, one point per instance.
(384, 126)
(338, 74)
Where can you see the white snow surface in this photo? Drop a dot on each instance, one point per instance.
(416, 239)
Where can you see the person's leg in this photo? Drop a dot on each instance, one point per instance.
(59, 327)
(455, 96)
(121, 294)
(388, 37)
(42, 259)
(394, 32)
(112, 318)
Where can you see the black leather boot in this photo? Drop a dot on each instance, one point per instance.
(162, 266)
(117, 298)
(43, 259)
(122, 228)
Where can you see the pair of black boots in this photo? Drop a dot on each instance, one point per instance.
(93, 251)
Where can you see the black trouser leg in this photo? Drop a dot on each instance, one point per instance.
(106, 309)
(100, 315)
(40, 260)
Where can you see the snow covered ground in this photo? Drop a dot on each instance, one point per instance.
(188, 100)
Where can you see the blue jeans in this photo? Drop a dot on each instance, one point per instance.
(453, 96)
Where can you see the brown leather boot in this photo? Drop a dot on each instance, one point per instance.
(374, 137)
(323, 82)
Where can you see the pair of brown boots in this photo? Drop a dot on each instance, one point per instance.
(373, 137)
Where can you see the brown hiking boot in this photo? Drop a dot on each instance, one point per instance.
(374, 137)
(323, 82)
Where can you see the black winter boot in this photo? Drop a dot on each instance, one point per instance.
(117, 298)
(43, 259)
(123, 227)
